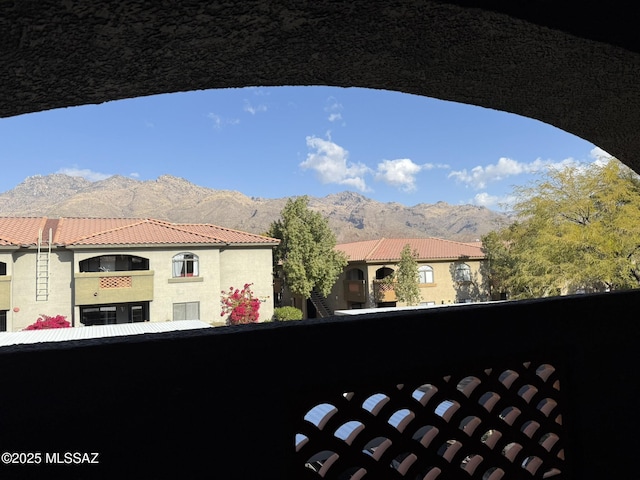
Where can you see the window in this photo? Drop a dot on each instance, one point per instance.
(425, 274)
(185, 265)
(383, 272)
(98, 315)
(186, 311)
(114, 263)
(463, 273)
(3, 320)
(355, 274)
(3, 268)
(138, 313)
(112, 314)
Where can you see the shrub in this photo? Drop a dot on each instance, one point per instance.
(281, 314)
(240, 305)
(45, 321)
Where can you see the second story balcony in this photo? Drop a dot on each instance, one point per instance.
(355, 291)
(383, 291)
(93, 288)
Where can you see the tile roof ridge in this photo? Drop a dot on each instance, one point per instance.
(244, 233)
(177, 226)
(140, 221)
(374, 248)
(102, 232)
(468, 244)
(226, 229)
(53, 224)
(446, 240)
(437, 239)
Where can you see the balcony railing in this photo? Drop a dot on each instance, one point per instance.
(95, 288)
(514, 390)
(355, 291)
(383, 291)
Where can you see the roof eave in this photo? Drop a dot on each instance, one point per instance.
(104, 246)
(253, 244)
(420, 260)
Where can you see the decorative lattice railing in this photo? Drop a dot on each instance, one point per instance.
(116, 282)
(489, 424)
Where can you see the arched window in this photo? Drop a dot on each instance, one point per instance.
(185, 265)
(355, 274)
(425, 274)
(383, 272)
(114, 263)
(463, 273)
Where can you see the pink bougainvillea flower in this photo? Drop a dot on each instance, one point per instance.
(45, 322)
(240, 305)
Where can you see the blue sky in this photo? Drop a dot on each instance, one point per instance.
(286, 141)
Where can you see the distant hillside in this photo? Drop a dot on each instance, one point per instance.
(352, 216)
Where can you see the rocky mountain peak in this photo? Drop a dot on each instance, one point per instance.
(352, 216)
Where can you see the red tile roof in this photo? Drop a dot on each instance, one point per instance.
(389, 249)
(120, 231)
(20, 230)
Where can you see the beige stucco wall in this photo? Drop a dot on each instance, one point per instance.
(249, 265)
(5, 292)
(218, 270)
(23, 288)
(443, 290)
(167, 290)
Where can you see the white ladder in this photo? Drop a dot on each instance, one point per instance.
(42, 269)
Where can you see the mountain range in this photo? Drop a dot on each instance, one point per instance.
(352, 216)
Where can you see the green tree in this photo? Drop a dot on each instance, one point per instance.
(406, 277)
(498, 263)
(578, 230)
(307, 249)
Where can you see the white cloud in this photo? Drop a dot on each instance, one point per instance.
(478, 177)
(134, 175)
(85, 173)
(401, 172)
(599, 156)
(334, 109)
(329, 161)
(248, 107)
(484, 199)
(259, 92)
(218, 121)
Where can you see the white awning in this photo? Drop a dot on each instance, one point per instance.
(96, 331)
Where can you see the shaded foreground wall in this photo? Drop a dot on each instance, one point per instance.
(143, 405)
(228, 402)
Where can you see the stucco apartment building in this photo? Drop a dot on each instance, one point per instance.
(449, 272)
(98, 271)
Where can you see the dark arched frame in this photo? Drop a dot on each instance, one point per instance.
(574, 68)
(567, 68)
